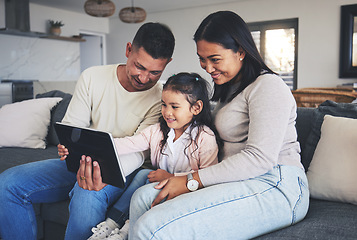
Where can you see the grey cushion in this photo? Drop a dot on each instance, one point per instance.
(10, 157)
(328, 107)
(303, 127)
(56, 212)
(324, 220)
(57, 113)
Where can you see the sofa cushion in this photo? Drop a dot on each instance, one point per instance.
(57, 113)
(14, 156)
(328, 107)
(325, 220)
(25, 124)
(332, 172)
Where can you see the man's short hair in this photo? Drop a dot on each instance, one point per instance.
(157, 40)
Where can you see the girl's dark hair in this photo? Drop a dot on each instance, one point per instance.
(195, 88)
(229, 30)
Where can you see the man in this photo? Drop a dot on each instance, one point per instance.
(121, 99)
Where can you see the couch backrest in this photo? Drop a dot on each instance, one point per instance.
(309, 122)
(303, 128)
(57, 113)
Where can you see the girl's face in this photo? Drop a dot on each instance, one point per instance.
(177, 111)
(221, 63)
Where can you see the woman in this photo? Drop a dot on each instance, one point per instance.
(260, 184)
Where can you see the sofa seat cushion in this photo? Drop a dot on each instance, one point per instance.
(14, 156)
(325, 220)
(56, 212)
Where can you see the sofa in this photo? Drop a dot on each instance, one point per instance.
(51, 218)
(326, 219)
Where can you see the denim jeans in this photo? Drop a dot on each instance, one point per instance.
(119, 212)
(45, 182)
(235, 210)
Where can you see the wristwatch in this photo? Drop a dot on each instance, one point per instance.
(192, 184)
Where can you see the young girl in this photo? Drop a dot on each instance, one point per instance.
(183, 141)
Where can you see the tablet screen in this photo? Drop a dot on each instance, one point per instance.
(96, 144)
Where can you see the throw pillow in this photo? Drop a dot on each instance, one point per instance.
(332, 172)
(25, 124)
(328, 107)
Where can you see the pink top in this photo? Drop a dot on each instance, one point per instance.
(200, 156)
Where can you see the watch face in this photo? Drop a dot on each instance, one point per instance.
(192, 185)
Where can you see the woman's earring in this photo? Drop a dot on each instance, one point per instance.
(241, 59)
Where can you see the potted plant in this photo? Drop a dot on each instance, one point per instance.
(55, 27)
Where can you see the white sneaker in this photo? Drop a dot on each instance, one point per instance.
(103, 229)
(121, 234)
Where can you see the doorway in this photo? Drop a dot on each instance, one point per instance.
(93, 50)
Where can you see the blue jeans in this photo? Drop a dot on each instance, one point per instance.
(236, 210)
(45, 182)
(119, 212)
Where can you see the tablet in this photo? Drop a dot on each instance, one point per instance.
(96, 144)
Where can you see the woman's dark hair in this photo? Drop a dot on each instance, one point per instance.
(229, 30)
(194, 88)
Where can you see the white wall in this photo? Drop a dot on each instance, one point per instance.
(318, 49)
(55, 63)
(319, 34)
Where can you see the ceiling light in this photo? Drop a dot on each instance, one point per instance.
(132, 14)
(99, 8)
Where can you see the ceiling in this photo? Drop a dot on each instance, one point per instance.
(150, 6)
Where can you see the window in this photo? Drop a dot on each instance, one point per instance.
(277, 44)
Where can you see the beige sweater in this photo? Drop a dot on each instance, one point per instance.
(100, 102)
(258, 130)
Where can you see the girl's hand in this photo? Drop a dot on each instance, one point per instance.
(171, 188)
(159, 175)
(62, 151)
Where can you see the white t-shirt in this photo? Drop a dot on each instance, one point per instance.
(174, 159)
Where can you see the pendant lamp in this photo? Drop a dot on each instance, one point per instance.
(99, 8)
(132, 14)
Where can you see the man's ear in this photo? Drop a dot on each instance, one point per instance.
(197, 107)
(129, 49)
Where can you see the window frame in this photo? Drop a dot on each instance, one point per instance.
(278, 24)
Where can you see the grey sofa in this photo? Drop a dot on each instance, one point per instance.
(51, 218)
(324, 220)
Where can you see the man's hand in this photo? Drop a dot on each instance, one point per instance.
(89, 177)
(159, 175)
(171, 188)
(62, 151)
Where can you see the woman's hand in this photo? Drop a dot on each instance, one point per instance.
(159, 175)
(89, 177)
(171, 188)
(62, 151)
